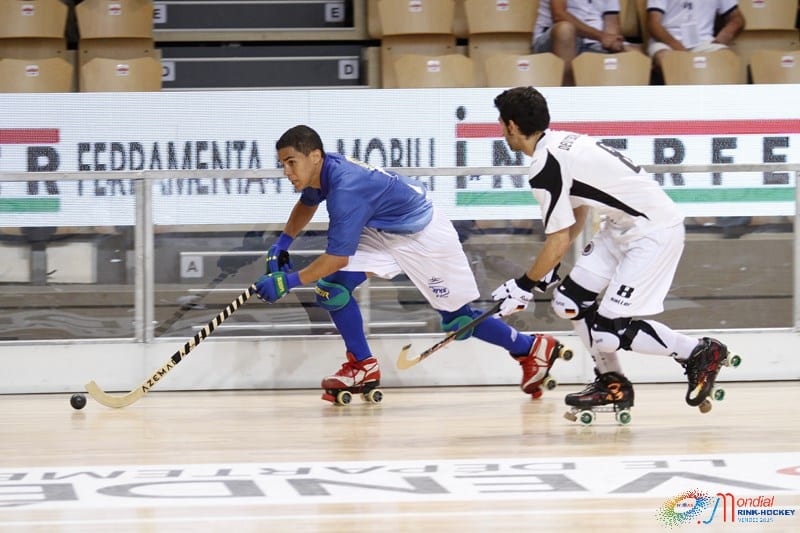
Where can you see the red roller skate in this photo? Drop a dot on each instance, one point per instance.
(354, 377)
(537, 364)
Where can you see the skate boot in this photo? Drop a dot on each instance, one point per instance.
(702, 368)
(610, 392)
(354, 377)
(537, 364)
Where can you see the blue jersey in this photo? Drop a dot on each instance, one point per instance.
(360, 196)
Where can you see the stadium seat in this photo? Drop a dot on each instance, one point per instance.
(37, 75)
(775, 66)
(498, 27)
(32, 29)
(697, 68)
(101, 19)
(102, 74)
(422, 27)
(449, 70)
(514, 70)
(624, 68)
(769, 14)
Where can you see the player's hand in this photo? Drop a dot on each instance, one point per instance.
(551, 279)
(278, 259)
(272, 287)
(514, 298)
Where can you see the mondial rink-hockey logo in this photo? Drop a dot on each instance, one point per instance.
(694, 506)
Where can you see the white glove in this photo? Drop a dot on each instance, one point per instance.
(514, 298)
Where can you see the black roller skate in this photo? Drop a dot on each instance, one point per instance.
(610, 392)
(702, 368)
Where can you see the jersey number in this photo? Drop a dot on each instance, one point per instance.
(625, 161)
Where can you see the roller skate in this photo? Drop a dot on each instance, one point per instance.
(355, 377)
(610, 392)
(702, 368)
(537, 364)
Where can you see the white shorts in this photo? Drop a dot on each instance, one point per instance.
(636, 275)
(433, 260)
(657, 46)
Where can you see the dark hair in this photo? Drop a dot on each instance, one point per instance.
(526, 107)
(302, 138)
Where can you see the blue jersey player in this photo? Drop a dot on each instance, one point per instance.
(381, 224)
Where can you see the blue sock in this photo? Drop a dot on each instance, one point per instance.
(494, 331)
(348, 319)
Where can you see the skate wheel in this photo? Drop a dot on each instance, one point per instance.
(537, 393)
(549, 383)
(718, 394)
(374, 396)
(569, 415)
(566, 354)
(344, 397)
(705, 406)
(586, 418)
(624, 417)
(734, 360)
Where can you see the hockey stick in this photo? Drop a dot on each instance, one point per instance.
(403, 362)
(125, 400)
(164, 326)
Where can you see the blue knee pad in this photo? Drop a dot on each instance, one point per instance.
(334, 291)
(455, 320)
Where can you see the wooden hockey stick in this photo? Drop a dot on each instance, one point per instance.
(110, 400)
(403, 362)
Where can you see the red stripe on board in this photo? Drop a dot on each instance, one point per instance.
(29, 136)
(655, 128)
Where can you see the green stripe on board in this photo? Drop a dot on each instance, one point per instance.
(30, 205)
(683, 196)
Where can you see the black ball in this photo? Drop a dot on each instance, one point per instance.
(77, 401)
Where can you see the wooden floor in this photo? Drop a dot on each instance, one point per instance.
(443, 459)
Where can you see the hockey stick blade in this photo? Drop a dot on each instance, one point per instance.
(116, 402)
(404, 363)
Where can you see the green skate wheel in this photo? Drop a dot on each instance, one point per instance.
(586, 418)
(718, 394)
(624, 417)
(344, 397)
(734, 360)
(374, 396)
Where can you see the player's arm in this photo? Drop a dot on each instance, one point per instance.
(659, 32)
(733, 24)
(299, 218)
(559, 12)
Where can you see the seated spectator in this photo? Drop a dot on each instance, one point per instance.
(689, 25)
(570, 27)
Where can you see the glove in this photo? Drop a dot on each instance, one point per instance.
(253, 240)
(274, 286)
(551, 279)
(514, 297)
(278, 259)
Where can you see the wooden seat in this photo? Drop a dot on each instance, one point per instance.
(775, 66)
(102, 74)
(449, 70)
(769, 14)
(32, 29)
(102, 19)
(624, 68)
(700, 68)
(498, 27)
(47, 75)
(749, 41)
(421, 27)
(514, 70)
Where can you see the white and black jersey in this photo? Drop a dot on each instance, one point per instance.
(570, 170)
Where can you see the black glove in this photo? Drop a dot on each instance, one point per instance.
(252, 241)
(278, 259)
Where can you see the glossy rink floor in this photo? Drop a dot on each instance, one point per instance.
(441, 459)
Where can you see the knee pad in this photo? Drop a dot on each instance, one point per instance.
(334, 292)
(612, 334)
(453, 321)
(573, 302)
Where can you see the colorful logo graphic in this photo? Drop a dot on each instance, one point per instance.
(683, 508)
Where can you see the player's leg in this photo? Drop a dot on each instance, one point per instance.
(335, 295)
(435, 262)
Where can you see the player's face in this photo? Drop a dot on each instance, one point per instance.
(302, 170)
(512, 135)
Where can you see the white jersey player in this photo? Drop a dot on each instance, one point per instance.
(627, 268)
